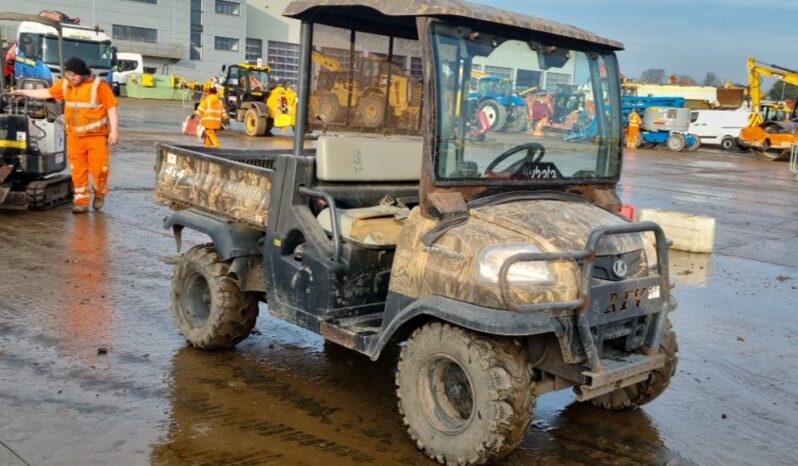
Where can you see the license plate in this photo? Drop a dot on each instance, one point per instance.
(653, 293)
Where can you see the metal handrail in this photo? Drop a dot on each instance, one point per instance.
(334, 220)
(588, 259)
(794, 160)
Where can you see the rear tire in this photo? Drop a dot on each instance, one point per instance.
(211, 311)
(676, 142)
(728, 143)
(464, 397)
(696, 144)
(641, 393)
(518, 121)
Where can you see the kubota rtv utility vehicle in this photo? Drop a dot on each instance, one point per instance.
(501, 266)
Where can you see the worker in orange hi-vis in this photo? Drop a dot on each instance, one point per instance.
(210, 112)
(92, 125)
(633, 134)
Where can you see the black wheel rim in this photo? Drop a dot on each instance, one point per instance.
(197, 301)
(446, 394)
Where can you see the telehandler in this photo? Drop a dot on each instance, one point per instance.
(500, 266)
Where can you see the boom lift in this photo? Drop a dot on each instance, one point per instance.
(770, 140)
(32, 145)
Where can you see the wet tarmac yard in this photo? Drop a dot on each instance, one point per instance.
(93, 370)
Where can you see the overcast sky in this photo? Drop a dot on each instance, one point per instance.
(683, 36)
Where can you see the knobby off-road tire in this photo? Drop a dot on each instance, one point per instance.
(641, 393)
(210, 309)
(518, 120)
(464, 398)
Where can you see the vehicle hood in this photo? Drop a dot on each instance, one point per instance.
(559, 226)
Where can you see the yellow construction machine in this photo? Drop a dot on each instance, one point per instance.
(368, 86)
(769, 139)
(250, 97)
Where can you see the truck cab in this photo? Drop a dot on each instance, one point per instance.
(500, 265)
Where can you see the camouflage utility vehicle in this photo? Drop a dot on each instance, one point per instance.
(499, 264)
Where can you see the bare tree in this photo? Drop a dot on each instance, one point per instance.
(686, 79)
(712, 79)
(654, 76)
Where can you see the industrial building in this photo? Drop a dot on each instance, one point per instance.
(193, 38)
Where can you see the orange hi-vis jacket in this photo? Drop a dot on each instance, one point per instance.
(85, 106)
(210, 112)
(635, 119)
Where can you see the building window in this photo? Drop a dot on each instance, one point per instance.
(284, 62)
(225, 43)
(416, 68)
(135, 33)
(154, 2)
(227, 8)
(504, 73)
(555, 80)
(254, 49)
(195, 50)
(525, 79)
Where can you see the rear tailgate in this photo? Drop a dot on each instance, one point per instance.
(232, 184)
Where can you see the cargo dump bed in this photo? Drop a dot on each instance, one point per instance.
(234, 184)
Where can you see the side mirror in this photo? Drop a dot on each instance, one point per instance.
(114, 59)
(224, 68)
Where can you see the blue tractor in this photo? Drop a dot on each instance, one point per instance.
(505, 111)
(666, 120)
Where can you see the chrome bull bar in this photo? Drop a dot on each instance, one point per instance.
(588, 295)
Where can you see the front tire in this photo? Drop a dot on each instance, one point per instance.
(465, 398)
(644, 392)
(518, 120)
(211, 311)
(254, 123)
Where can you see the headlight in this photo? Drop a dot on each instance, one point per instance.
(492, 257)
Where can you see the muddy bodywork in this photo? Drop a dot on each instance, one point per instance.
(447, 267)
(236, 185)
(343, 16)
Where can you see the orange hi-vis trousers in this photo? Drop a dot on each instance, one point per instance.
(211, 139)
(88, 154)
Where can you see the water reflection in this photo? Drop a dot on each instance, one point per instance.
(87, 304)
(688, 268)
(285, 403)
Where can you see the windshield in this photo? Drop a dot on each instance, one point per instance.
(95, 54)
(543, 114)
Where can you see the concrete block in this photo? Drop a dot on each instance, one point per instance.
(689, 232)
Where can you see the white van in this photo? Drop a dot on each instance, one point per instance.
(718, 126)
(127, 64)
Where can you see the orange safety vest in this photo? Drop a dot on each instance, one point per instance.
(210, 112)
(635, 119)
(85, 116)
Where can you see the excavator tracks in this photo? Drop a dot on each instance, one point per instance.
(49, 193)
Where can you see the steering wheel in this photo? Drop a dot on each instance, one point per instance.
(534, 154)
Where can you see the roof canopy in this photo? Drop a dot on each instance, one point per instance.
(398, 17)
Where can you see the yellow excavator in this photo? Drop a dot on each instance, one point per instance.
(376, 78)
(769, 139)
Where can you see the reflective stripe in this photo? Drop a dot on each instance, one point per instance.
(95, 85)
(94, 125)
(82, 105)
(81, 189)
(26, 61)
(10, 143)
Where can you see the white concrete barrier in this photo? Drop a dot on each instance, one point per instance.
(689, 232)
